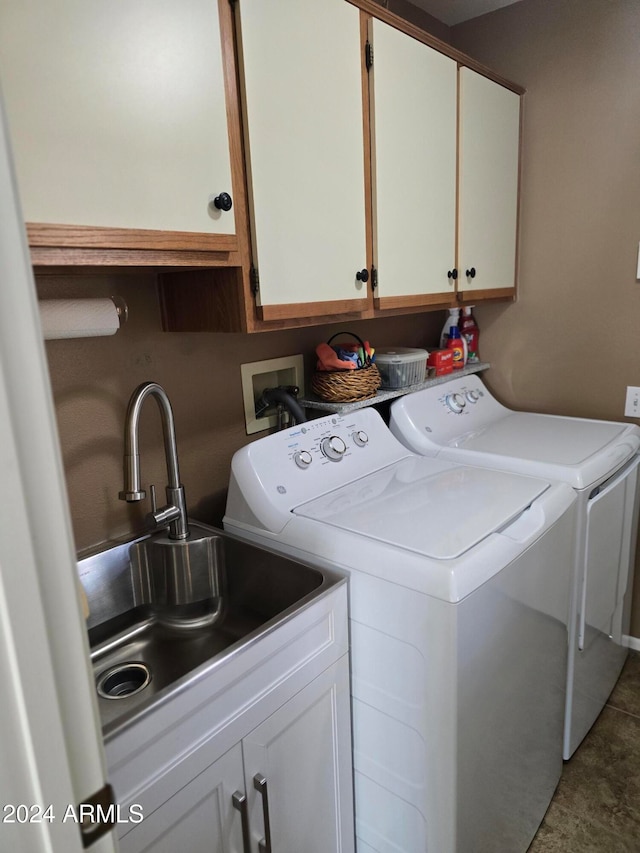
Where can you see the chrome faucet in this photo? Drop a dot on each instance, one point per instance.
(175, 513)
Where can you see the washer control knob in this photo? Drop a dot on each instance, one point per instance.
(302, 458)
(472, 396)
(360, 438)
(333, 447)
(456, 402)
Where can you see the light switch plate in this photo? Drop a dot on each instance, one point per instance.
(258, 375)
(632, 404)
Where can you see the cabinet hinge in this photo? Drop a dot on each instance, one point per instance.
(374, 278)
(97, 815)
(368, 55)
(255, 280)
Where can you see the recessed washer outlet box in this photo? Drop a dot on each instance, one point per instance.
(258, 375)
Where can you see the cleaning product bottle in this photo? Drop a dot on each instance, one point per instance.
(470, 333)
(453, 319)
(454, 343)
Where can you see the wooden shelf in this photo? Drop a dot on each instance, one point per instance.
(386, 394)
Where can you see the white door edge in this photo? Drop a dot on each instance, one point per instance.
(51, 745)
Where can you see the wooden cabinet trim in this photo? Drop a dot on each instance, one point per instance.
(498, 293)
(367, 137)
(312, 309)
(377, 11)
(94, 237)
(65, 257)
(426, 300)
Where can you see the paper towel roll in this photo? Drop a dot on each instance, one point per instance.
(78, 318)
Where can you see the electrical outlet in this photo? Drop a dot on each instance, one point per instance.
(258, 375)
(632, 404)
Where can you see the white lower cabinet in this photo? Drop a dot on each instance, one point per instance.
(301, 754)
(254, 756)
(285, 787)
(198, 818)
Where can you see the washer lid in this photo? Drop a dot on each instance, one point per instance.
(429, 506)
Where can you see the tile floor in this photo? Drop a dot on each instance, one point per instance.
(596, 807)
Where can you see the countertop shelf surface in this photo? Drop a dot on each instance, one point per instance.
(385, 394)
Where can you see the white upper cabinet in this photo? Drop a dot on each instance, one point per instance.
(489, 157)
(300, 65)
(117, 112)
(413, 118)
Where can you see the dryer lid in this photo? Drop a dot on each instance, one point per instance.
(576, 451)
(542, 438)
(435, 508)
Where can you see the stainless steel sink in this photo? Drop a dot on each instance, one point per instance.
(164, 612)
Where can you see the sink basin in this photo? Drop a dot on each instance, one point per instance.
(162, 613)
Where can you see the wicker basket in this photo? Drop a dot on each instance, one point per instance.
(346, 386)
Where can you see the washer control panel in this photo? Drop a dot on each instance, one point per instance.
(332, 447)
(282, 471)
(297, 463)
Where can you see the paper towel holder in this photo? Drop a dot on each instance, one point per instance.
(121, 308)
(82, 318)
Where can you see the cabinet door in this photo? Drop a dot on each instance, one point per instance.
(199, 818)
(303, 751)
(488, 168)
(117, 113)
(413, 116)
(302, 89)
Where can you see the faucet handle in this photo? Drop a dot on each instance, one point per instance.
(154, 504)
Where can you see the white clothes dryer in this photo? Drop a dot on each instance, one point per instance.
(460, 420)
(459, 588)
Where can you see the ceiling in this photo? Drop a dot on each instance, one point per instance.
(453, 12)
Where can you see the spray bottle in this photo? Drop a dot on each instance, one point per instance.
(470, 333)
(453, 319)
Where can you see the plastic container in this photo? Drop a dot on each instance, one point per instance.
(456, 345)
(470, 333)
(401, 366)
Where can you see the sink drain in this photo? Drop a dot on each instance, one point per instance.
(123, 680)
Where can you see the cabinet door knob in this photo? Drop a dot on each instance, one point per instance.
(223, 201)
(362, 275)
(471, 273)
(453, 274)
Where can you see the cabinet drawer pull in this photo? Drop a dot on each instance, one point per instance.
(260, 784)
(239, 802)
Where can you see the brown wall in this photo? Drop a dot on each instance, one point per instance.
(568, 345)
(92, 380)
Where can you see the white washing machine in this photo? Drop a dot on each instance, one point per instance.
(460, 420)
(459, 588)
